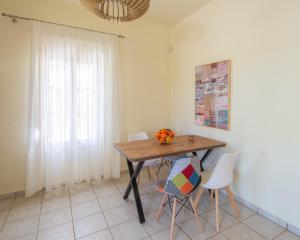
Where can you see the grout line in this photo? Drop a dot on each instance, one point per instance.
(69, 196)
(8, 211)
(281, 234)
(102, 213)
(253, 230)
(37, 230)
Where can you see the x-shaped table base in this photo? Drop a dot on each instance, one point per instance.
(132, 185)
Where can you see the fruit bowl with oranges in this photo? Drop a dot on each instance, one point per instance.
(165, 136)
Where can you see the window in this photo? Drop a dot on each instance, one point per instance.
(71, 92)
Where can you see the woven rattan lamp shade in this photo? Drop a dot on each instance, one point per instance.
(117, 10)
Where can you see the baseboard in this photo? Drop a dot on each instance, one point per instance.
(246, 203)
(19, 193)
(268, 215)
(273, 218)
(294, 229)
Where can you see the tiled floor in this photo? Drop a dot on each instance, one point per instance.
(98, 212)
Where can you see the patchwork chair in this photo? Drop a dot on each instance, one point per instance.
(220, 178)
(183, 179)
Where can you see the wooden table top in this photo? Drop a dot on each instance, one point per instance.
(148, 149)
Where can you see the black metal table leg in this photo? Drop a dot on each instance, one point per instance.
(133, 185)
(205, 156)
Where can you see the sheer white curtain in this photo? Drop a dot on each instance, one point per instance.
(73, 107)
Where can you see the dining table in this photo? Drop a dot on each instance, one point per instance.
(140, 151)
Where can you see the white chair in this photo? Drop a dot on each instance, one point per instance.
(220, 178)
(150, 164)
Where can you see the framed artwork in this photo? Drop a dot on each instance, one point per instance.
(212, 95)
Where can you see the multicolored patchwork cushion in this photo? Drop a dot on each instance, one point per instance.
(184, 176)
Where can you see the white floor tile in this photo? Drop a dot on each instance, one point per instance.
(55, 204)
(61, 232)
(82, 197)
(223, 199)
(78, 188)
(102, 183)
(219, 236)
(263, 226)
(85, 209)
(19, 228)
(183, 215)
(152, 226)
(114, 201)
(6, 204)
(205, 206)
(106, 191)
(244, 211)
(24, 212)
(3, 216)
(121, 186)
(191, 228)
(131, 230)
(88, 225)
(241, 232)
(149, 205)
(119, 215)
(22, 201)
(103, 235)
(288, 236)
(226, 220)
(165, 235)
(55, 218)
(27, 237)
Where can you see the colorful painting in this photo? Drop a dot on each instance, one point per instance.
(212, 96)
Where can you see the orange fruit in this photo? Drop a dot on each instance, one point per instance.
(163, 135)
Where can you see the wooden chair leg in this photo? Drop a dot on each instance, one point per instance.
(160, 166)
(149, 174)
(217, 211)
(196, 215)
(198, 197)
(233, 202)
(161, 206)
(138, 179)
(153, 174)
(173, 219)
(211, 195)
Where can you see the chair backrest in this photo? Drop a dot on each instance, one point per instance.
(142, 136)
(138, 136)
(184, 176)
(222, 174)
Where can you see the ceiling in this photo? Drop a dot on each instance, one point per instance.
(168, 12)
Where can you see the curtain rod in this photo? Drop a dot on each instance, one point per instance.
(14, 19)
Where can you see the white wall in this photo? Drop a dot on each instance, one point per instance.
(262, 38)
(145, 94)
